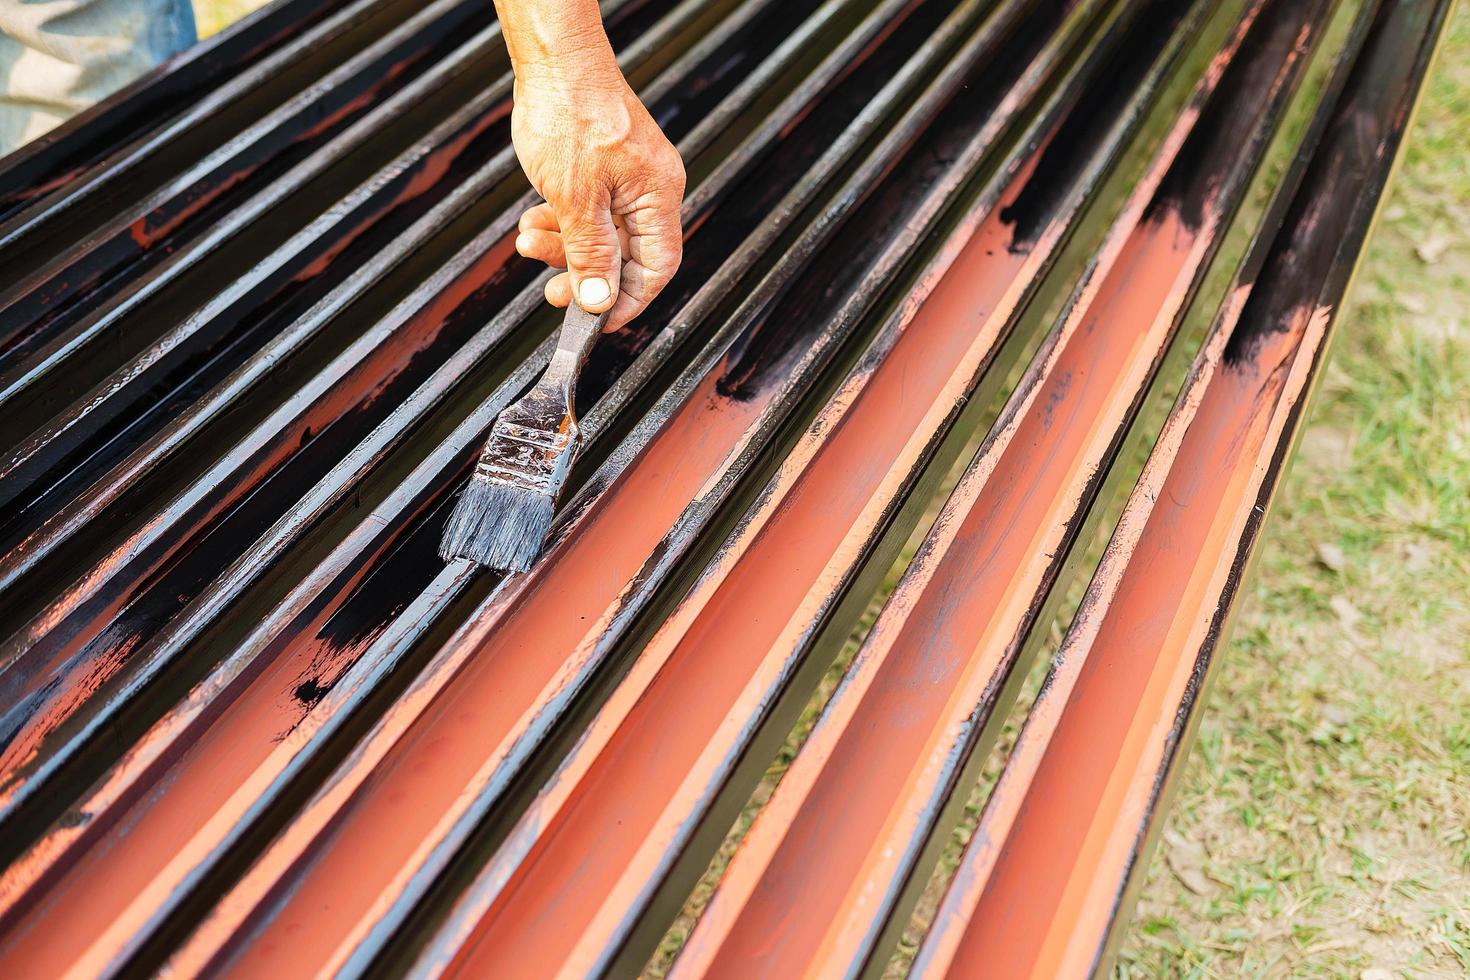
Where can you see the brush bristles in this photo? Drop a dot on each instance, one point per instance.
(500, 526)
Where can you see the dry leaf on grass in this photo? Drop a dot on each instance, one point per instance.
(1186, 859)
(1433, 247)
(1331, 557)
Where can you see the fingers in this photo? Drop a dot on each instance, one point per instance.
(655, 247)
(559, 290)
(633, 298)
(539, 218)
(615, 264)
(629, 304)
(539, 244)
(593, 253)
(543, 246)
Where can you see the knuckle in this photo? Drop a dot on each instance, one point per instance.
(659, 278)
(589, 250)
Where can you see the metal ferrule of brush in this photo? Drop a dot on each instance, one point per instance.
(534, 441)
(505, 511)
(531, 445)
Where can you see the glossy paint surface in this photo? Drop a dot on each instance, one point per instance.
(264, 308)
(1155, 611)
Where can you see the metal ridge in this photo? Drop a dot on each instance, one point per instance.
(266, 307)
(940, 654)
(1181, 548)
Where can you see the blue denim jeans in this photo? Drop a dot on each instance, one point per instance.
(59, 56)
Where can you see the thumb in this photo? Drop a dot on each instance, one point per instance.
(592, 249)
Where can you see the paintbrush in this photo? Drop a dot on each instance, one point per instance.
(503, 515)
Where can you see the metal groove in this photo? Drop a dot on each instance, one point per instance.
(1187, 531)
(39, 305)
(249, 722)
(145, 162)
(196, 511)
(939, 654)
(305, 822)
(692, 661)
(479, 254)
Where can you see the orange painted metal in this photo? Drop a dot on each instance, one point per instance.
(1064, 832)
(593, 846)
(481, 697)
(806, 888)
(173, 802)
(250, 724)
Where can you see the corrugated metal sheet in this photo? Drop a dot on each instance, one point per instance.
(262, 308)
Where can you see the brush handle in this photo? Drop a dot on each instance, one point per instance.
(579, 331)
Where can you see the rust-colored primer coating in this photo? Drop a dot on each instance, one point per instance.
(1063, 832)
(250, 724)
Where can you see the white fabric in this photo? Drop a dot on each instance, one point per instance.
(59, 56)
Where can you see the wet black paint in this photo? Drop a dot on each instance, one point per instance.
(1136, 45)
(1213, 147)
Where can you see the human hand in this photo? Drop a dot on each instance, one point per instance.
(612, 181)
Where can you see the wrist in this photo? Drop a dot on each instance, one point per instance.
(570, 75)
(560, 43)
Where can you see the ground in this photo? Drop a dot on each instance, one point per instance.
(1322, 827)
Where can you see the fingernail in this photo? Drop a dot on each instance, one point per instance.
(594, 292)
